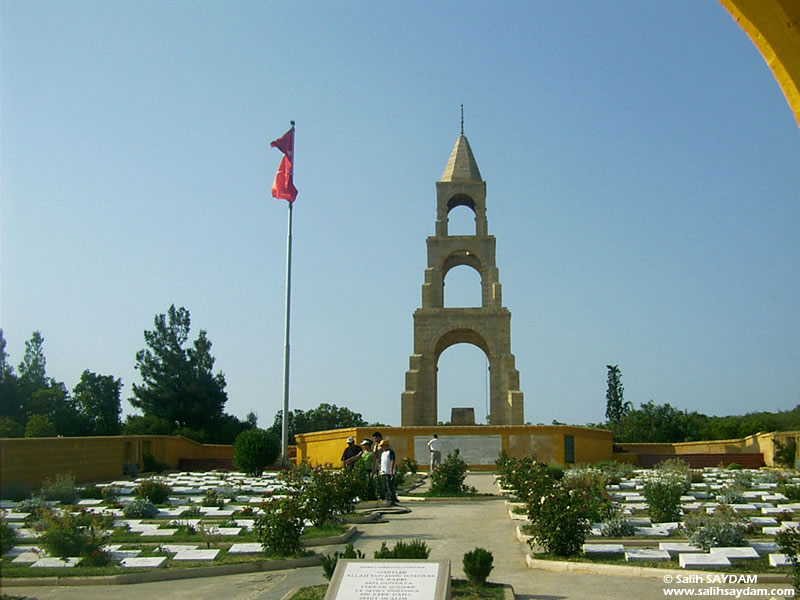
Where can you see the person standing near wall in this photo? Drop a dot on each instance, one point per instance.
(388, 464)
(435, 447)
(377, 438)
(350, 454)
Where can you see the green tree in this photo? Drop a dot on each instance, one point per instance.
(98, 400)
(659, 423)
(39, 426)
(146, 425)
(55, 404)
(179, 384)
(616, 407)
(254, 450)
(322, 418)
(11, 408)
(32, 369)
(10, 428)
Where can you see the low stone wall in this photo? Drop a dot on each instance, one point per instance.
(758, 444)
(27, 462)
(479, 445)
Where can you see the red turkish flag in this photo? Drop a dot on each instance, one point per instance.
(283, 186)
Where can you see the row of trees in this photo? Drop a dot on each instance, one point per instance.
(653, 422)
(35, 405)
(180, 393)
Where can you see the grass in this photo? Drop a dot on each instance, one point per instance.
(460, 589)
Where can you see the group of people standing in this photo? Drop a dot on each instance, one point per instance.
(378, 459)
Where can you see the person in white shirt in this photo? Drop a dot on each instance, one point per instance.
(435, 446)
(387, 459)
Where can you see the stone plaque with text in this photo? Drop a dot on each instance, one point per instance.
(400, 579)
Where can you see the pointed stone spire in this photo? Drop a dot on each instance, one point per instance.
(461, 165)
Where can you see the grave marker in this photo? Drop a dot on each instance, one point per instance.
(390, 580)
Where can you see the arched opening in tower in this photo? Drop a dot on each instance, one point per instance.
(462, 287)
(461, 220)
(462, 382)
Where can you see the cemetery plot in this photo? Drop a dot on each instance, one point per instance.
(753, 496)
(147, 543)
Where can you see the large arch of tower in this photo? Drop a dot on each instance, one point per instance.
(436, 327)
(774, 28)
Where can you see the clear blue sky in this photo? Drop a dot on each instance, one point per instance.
(643, 173)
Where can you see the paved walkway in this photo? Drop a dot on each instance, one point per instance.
(449, 528)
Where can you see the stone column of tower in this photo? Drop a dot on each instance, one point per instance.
(436, 328)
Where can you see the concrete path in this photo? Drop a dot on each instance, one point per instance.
(449, 528)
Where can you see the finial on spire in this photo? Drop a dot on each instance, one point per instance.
(462, 119)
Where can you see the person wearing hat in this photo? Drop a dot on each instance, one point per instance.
(366, 456)
(350, 454)
(388, 470)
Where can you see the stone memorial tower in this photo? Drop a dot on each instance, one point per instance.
(436, 328)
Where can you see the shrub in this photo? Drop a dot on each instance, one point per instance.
(477, 566)
(676, 465)
(280, 526)
(29, 505)
(586, 477)
(183, 527)
(448, 478)
(324, 494)
(616, 471)
(731, 494)
(789, 543)
(555, 472)
(785, 453)
(743, 479)
(561, 518)
(696, 476)
(412, 549)
(722, 528)
(617, 526)
(81, 534)
(91, 491)
(213, 498)
(154, 490)
(501, 462)
(151, 465)
(61, 488)
(194, 511)
(663, 489)
(330, 561)
(254, 450)
(110, 494)
(8, 537)
(734, 466)
(527, 477)
(792, 492)
(408, 465)
(140, 509)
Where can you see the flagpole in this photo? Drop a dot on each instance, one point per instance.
(285, 423)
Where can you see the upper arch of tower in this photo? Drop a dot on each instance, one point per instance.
(461, 199)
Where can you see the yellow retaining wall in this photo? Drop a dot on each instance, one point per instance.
(763, 443)
(545, 441)
(27, 462)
